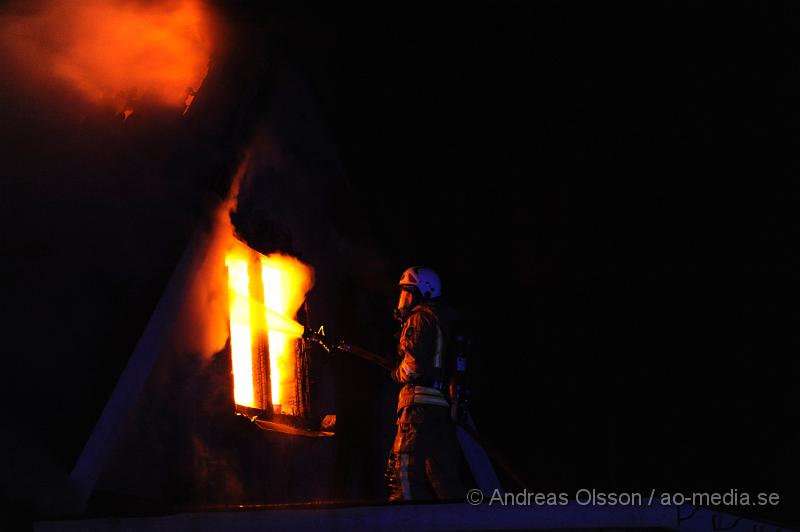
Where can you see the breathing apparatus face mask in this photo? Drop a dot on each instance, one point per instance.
(405, 303)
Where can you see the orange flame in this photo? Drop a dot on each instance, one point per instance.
(241, 334)
(285, 282)
(117, 51)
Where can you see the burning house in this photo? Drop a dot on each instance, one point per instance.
(193, 229)
(218, 401)
(256, 416)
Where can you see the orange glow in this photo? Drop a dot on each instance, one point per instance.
(117, 51)
(285, 282)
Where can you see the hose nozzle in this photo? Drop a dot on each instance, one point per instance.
(317, 336)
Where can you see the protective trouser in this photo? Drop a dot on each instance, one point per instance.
(425, 458)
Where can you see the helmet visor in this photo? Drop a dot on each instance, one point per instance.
(406, 299)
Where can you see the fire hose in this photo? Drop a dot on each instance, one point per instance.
(330, 345)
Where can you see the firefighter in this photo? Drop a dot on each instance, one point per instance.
(424, 459)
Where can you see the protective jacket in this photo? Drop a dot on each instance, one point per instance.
(421, 359)
(424, 460)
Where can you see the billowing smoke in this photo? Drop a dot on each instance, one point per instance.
(203, 325)
(114, 53)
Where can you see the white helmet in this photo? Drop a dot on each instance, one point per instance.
(425, 279)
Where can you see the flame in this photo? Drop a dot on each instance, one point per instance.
(286, 281)
(116, 51)
(241, 335)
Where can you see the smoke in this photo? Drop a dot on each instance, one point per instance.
(173, 431)
(203, 324)
(186, 411)
(203, 327)
(210, 467)
(94, 216)
(100, 211)
(113, 53)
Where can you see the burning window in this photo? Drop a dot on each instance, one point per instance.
(270, 365)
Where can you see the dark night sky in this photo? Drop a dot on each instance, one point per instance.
(607, 192)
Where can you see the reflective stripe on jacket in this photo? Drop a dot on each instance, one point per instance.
(424, 395)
